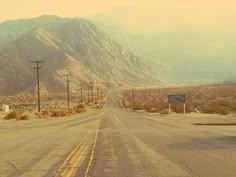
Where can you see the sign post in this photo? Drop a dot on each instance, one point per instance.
(184, 108)
(177, 99)
(169, 108)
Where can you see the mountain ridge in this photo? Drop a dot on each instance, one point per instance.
(77, 46)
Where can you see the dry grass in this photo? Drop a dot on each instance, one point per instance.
(212, 99)
(16, 115)
(12, 115)
(23, 117)
(80, 108)
(59, 113)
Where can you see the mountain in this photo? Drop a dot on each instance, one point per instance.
(76, 46)
(104, 56)
(12, 29)
(16, 69)
(179, 45)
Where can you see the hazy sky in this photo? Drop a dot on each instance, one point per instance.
(141, 16)
(12, 9)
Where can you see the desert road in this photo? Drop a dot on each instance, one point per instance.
(114, 142)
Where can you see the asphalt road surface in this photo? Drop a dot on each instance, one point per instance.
(114, 142)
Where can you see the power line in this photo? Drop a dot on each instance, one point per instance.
(37, 67)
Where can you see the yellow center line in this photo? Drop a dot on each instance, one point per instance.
(75, 162)
(92, 155)
(70, 155)
(66, 169)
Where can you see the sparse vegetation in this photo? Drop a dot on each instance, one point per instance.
(210, 99)
(16, 115)
(80, 108)
(12, 115)
(23, 117)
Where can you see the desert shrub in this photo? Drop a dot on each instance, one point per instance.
(178, 108)
(79, 106)
(165, 111)
(63, 113)
(163, 106)
(152, 110)
(223, 102)
(45, 114)
(189, 108)
(23, 117)
(232, 106)
(196, 103)
(137, 107)
(56, 114)
(12, 115)
(216, 109)
(38, 114)
(80, 110)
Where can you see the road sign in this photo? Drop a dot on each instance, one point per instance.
(174, 99)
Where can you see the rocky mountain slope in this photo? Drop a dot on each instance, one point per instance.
(191, 50)
(75, 46)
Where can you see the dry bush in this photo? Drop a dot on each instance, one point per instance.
(233, 106)
(223, 102)
(137, 106)
(17, 115)
(216, 109)
(79, 106)
(152, 110)
(220, 98)
(63, 113)
(165, 111)
(79, 109)
(56, 114)
(189, 108)
(23, 117)
(13, 115)
(45, 114)
(163, 106)
(178, 108)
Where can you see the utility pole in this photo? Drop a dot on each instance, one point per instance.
(91, 87)
(68, 89)
(81, 95)
(97, 93)
(37, 67)
(133, 95)
(88, 95)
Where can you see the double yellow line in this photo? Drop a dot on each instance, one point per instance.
(76, 157)
(91, 155)
(66, 169)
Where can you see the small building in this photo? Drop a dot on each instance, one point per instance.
(4, 108)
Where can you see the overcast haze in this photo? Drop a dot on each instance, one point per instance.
(148, 17)
(202, 10)
(199, 34)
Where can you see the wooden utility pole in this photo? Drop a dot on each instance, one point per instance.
(133, 97)
(68, 89)
(88, 95)
(91, 87)
(37, 67)
(81, 95)
(97, 93)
